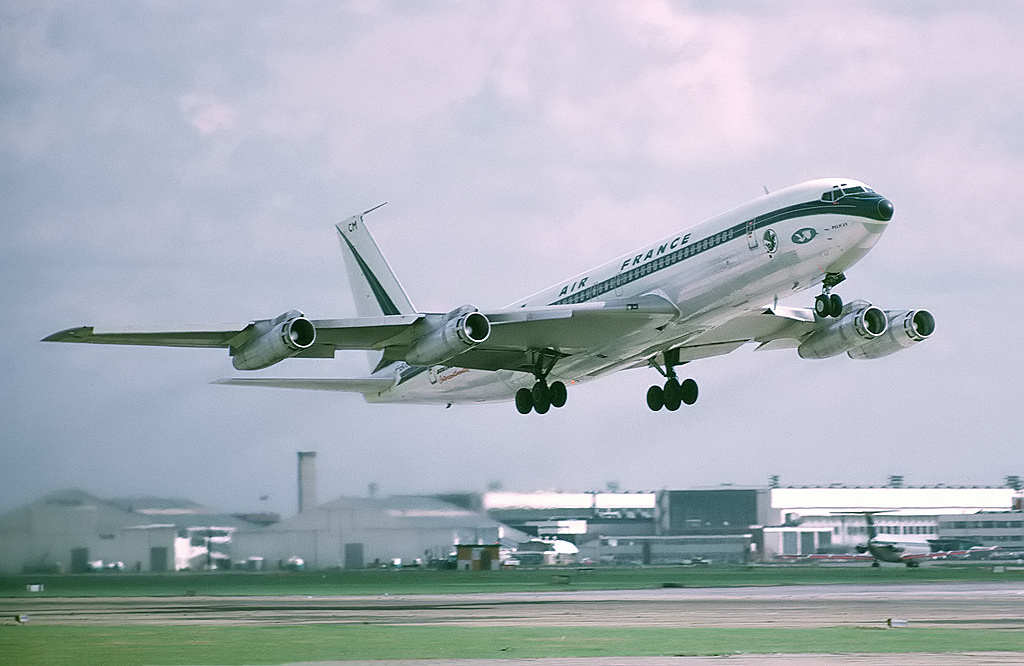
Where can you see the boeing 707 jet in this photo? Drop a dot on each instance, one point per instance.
(702, 292)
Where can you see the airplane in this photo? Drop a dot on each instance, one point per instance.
(696, 294)
(886, 550)
(879, 549)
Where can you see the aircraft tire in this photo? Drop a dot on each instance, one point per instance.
(524, 401)
(688, 391)
(655, 398)
(673, 394)
(835, 305)
(558, 395)
(822, 306)
(541, 398)
(876, 564)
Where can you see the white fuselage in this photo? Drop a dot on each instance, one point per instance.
(898, 551)
(735, 263)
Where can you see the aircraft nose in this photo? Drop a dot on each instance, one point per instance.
(885, 209)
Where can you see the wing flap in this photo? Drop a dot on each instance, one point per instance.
(366, 333)
(774, 329)
(573, 328)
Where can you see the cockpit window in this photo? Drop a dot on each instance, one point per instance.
(837, 193)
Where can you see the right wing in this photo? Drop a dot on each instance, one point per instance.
(350, 385)
(560, 330)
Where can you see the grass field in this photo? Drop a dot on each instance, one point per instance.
(129, 646)
(412, 581)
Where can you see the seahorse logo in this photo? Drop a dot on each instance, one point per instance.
(805, 235)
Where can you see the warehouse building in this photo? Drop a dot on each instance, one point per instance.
(355, 532)
(73, 531)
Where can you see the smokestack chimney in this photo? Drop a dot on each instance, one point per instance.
(307, 480)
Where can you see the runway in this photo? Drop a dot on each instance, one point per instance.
(975, 605)
(960, 605)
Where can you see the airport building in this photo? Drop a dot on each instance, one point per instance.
(833, 520)
(722, 524)
(736, 524)
(73, 531)
(999, 529)
(355, 532)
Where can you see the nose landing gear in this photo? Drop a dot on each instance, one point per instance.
(828, 304)
(674, 393)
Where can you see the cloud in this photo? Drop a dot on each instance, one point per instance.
(183, 163)
(208, 115)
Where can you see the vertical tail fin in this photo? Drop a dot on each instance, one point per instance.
(375, 288)
(872, 533)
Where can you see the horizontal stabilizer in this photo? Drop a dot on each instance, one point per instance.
(349, 385)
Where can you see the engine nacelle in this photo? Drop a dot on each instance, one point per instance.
(276, 339)
(906, 328)
(458, 331)
(861, 324)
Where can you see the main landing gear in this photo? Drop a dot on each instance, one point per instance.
(827, 304)
(674, 393)
(542, 396)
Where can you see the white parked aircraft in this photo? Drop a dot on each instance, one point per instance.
(702, 292)
(881, 549)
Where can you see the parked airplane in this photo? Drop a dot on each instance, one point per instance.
(699, 293)
(909, 553)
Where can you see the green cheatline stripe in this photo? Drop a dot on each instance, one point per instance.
(386, 304)
(735, 232)
(190, 645)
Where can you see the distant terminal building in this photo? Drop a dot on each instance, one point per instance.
(831, 520)
(737, 524)
(721, 524)
(1000, 529)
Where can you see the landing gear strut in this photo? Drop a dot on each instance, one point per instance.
(828, 304)
(542, 396)
(674, 393)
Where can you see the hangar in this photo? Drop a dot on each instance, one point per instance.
(354, 532)
(73, 531)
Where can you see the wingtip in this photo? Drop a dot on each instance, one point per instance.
(76, 334)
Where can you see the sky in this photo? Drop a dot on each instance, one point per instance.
(171, 163)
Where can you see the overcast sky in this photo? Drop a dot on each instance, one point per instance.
(169, 163)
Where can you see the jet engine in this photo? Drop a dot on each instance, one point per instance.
(862, 323)
(906, 328)
(456, 332)
(274, 341)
